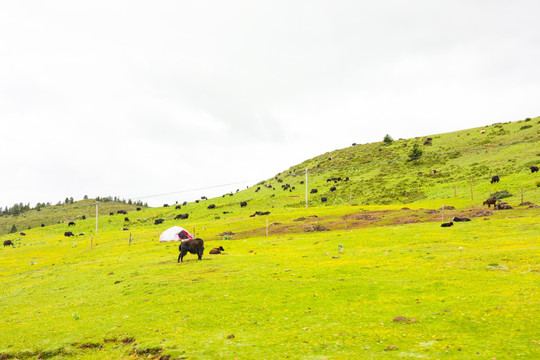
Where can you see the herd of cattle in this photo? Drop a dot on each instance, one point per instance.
(196, 246)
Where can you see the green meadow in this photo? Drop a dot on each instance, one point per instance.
(368, 274)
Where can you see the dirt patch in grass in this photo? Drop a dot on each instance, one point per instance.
(481, 213)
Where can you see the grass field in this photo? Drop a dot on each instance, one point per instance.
(471, 291)
(401, 287)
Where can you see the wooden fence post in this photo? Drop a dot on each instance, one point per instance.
(91, 242)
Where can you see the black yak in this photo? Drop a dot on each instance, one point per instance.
(8, 242)
(534, 169)
(447, 224)
(495, 179)
(193, 246)
(71, 223)
(458, 219)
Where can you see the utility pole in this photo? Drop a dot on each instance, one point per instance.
(96, 217)
(306, 190)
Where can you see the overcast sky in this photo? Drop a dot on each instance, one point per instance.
(135, 98)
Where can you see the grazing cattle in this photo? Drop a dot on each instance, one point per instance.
(490, 202)
(226, 212)
(184, 203)
(458, 219)
(313, 191)
(71, 223)
(84, 217)
(193, 246)
(243, 203)
(217, 250)
(197, 201)
(482, 131)
(495, 179)
(126, 219)
(333, 188)
(447, 224)
(260, 213)
(323, 199)
(8, 242)
(158, 221)
(81, 234)
(68, 233)
(111, 213)
(211, 206)
(181, 216)
(433, 171)
(178, 207)
(23, 234)
(124, 212)
(138, 209)
(204, 198)
(42, 225)
(125, 229)
(165, 205)
(428, 141)
(534, 169)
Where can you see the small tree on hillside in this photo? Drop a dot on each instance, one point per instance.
(13, 229)
(415, 153)
(388, 139)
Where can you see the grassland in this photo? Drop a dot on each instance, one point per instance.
(469, 291)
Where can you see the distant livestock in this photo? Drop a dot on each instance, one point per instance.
(124, 212)
(193, 246)
(211, 206)
(495, 179)
(111, 213)
(447, 224)
(165, 205)
(260, 213)
(314, 191)
(42, 225)
(204, 198)
(534, 169)
(158, 221)
(333, 188)
(490, 202)
(323, 199)
(178, 207)
(184, 203)
(138, 209)
(503, 206)
(181, 216)
(71, 223)
(83, 217)
(126, 219)
(458, 219)
(23, 234)
(125, 229)
(243, 203)
(68, 233)
(217, 250)
(8, 242)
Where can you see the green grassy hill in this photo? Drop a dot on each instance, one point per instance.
(368, 274)
(58, 214)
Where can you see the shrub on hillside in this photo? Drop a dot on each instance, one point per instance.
(501, 195)
(388, 139)
(525, 127)
(415, 152)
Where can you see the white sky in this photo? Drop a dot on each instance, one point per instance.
(134, 98)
